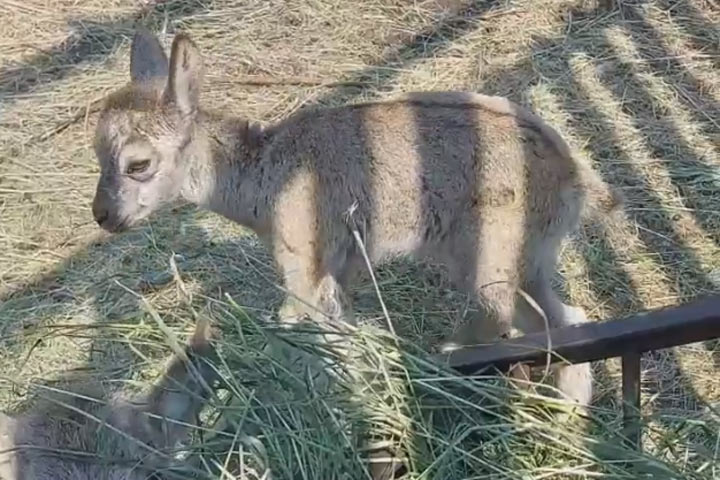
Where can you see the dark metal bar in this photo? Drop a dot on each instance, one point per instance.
(631, 376)
(640, 333)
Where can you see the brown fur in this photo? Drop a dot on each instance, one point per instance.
(473, 182)
(123, 440)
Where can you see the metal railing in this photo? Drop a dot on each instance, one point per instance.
(627, 338)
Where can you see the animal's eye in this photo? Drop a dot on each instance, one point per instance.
(136, 167)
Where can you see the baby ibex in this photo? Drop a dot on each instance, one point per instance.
(470, 181)
(123, 440)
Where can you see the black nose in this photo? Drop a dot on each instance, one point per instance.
(101, 216)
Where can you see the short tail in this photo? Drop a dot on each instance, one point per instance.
(601, 198)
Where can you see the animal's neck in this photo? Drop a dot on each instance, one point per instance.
(224, 169)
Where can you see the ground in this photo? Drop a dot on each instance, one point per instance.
(632, 85)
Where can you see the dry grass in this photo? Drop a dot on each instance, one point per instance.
(634, 89)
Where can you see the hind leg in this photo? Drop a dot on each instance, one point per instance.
(574, 381)
(495, 262)
(497, 302)
(493, 322)
(485, 265)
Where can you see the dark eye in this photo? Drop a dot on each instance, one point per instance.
(138, 166)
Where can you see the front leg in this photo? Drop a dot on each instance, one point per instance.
(317, 301)
(300, 278)
(297, 241)
(312, 291)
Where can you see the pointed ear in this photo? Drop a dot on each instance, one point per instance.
(147, 58)
(183, 391)
(185, 78)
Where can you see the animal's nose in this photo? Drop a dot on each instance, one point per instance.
(100, 215)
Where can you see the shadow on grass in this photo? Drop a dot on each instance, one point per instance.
(91, 43)
(611, 283)
(700, 31)
(694, 177)
(76, 286)
(91, 302)
(230, 267)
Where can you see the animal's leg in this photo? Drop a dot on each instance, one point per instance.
(482, 328)
(315, 295)
(332, 302)
(494, 321)
(498, 303)
(316, 286)
(299, 270)
(498, 253)
(574, 381)
(484, 267)
(486, 261)
(346, 275)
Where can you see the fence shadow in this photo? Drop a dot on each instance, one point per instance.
(58, 292)
(701, 32)
(100, 310)
(657, 233)
(91, 43)
(219, 266)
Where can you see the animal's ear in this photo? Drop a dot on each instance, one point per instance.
(182, 392)
(147, 58)
(185, 78)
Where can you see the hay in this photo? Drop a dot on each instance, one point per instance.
(635, 90)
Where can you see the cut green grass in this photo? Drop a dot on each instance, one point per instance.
(635, 90)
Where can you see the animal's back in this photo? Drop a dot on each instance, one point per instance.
(109, 441)
(416, 167)
(60, 447)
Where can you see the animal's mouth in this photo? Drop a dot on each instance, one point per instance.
(120, 227)
(125, 223)
(116, 225)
